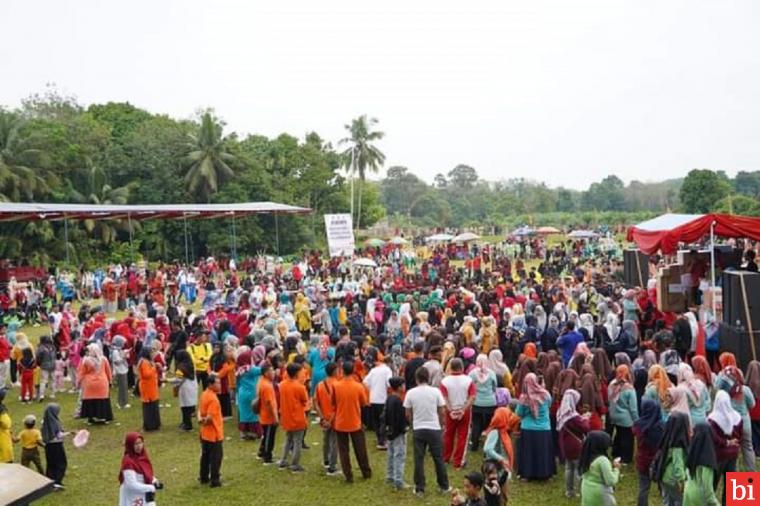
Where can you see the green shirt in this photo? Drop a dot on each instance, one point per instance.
(675, 469)
(596, 487)
(699, 489)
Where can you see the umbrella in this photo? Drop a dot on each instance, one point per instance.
(467, 236)
(398, 240)
(583, 234)
(374, 242)
(523, 231)
(365, 262)
(439, 238)
(548, 230)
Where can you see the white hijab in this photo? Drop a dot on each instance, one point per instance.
(723, 414)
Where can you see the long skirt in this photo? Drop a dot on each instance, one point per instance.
(151, 416)
(56, 463)
(226, 403)
(96, 409)
(536, 455)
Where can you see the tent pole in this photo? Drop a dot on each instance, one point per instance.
(187, 254)
(712, 267)
(234, 238)
(131, 248)
(66, 236)
(277, 233)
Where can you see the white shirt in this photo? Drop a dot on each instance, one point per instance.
(377, 382)
(133, 490)
(458, 388)
(424, 401)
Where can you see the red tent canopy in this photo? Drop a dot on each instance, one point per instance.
(665, 232)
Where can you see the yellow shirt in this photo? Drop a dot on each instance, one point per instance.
(201, 354)
(30, 438)
(6, 441)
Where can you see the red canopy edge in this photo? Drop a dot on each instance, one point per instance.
(666, 241)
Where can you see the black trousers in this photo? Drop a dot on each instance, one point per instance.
(376, 411)
(211, 461)
(723, 468)
(55, 458)
(481, 418)
(267, 442)
(202, 378)
(14, 372)
(622, 444)
(187, 417)
(425, 439)
(360, 451)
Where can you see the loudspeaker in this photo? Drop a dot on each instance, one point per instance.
(737, 341)
(635, 268)
(741, 299)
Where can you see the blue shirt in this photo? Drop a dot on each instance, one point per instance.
(567, 343)
(485, 393)
(530, 422)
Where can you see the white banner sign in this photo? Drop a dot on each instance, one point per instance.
(340, 234)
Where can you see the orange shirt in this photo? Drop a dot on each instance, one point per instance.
(294, 400)
(350, 396)
(267, 401)
(148, 381)
(324, 396)
(210, 406)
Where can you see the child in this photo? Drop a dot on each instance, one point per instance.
(26, 367)
(572, 429)
(324, 405)
(120, 370)
(267, 411)
(31, 440)
(395, 423)
(473, 483)
(700, 466)
(495, 483)
(669, 468)
(623, 412)
(599, 474)
(52, 436)
(294, 401)
(60, 372)
(648, 430)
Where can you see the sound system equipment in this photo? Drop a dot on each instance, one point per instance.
(737, 340)
(741, 299)
(635, 268)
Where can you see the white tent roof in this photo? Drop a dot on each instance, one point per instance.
(667, 222)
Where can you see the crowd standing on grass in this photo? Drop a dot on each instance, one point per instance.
(537, 355)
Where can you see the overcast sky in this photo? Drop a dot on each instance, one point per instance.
(560, 91)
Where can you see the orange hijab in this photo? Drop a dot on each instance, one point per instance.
(726, 359)
(659, 378)
(505, 422)
(530, 350)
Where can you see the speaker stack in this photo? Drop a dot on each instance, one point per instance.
(740, 332)
(635, 268)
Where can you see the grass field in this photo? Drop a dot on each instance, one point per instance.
(91, 478)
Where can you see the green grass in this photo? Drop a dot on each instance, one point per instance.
(91, 478)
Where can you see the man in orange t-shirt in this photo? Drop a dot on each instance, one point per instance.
(294, 401)
(212, 432)
(268, 413)
(349, 397)
(326, 411)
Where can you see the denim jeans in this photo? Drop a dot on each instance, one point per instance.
(293, 443)
(748, 452)
(572, 475)
(330, 449)
(396, 459)
(432, 439)
(644, 484)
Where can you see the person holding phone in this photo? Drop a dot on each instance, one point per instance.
(599, 475)
(138, 484)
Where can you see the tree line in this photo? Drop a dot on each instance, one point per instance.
(54, 149)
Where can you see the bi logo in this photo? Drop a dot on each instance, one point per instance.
(743, 489)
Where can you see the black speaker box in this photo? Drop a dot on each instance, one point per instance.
(737, 341)
(735, 311)
(635, 268)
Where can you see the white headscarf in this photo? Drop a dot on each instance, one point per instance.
(567, 408)
(723, 414)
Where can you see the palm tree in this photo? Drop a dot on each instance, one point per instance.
(17, 180)
(361, 155)
(207, 159)
(102, 193)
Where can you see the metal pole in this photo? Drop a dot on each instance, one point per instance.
(712, 267)
(277, 233)
(66, 236)
(234, 238)
(187, 254)
(131, 249)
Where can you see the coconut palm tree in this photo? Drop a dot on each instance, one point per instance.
(102, 193)
(207, 159)
(361, 155)
(18, 180)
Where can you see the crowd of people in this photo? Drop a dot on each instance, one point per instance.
(506, 367)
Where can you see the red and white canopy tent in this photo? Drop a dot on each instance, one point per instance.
(665, 232)
(15, 211)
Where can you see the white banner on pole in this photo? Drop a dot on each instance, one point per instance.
(340, 234)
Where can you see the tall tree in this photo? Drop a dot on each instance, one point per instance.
(362, 155)
(100, 192)
(207, 159)
(17, 179)
(702, 189)
(463, 177)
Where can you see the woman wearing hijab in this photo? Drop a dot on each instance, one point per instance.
(318, 358)
(95, 379)
(697, 395)
(147, 372)
(657, 388)
(536, 450)
(641, 373)
(186, 387)
(700, 468)
(669, 467)
(222, 364)
(484, 406)
(52, 436)
(498, 443)
(702, 371)
(731, 380)
(6, 435)
(138, 485)
(500, 369)
(599, 474)
(525, 366)
(648, 430)
(753, 382)
(591, 397)
(572, 429)
(726, 425)
(623, 412)
(550, 335)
